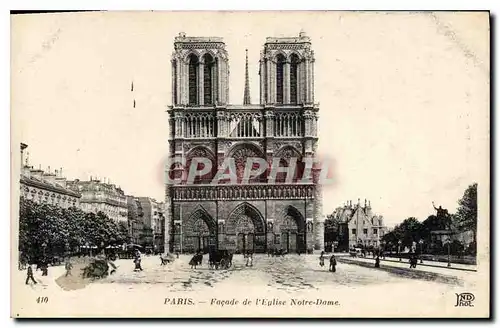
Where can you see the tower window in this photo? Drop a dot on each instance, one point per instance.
(174, 73)
(193, 80)
(280, 64)
(294, 64)
(208, 75)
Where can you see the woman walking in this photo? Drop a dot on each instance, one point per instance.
(333, 263)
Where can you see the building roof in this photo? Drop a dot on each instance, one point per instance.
(346, 213)
(47, 185)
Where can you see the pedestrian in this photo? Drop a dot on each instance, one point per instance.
(44, 266)
(68, 266)
(249, 259)
(29, 275)
(377, 261)
(137, 261)
(322, 259)
(333, 263)
(413, 261)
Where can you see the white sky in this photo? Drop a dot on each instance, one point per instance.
(404, 98)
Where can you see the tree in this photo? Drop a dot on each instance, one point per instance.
(46, 230)
(467, 211)
(123, 233)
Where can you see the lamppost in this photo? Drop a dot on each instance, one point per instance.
(399, 249)
(421, 243)
(66, 248)
(449, 253)
(87, 245)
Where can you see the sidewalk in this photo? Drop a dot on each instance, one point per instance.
(455, 266)
(389, 265)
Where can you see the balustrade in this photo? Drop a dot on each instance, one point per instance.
(222, 192)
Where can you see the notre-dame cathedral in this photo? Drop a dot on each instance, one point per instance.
(259, 215)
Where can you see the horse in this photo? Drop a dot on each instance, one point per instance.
(196, 260)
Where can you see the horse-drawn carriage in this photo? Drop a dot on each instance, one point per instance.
(221, 258)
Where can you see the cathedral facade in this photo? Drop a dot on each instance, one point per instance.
(243, 215)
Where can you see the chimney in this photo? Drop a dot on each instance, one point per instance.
(23, 147)
(51, 177)
(37, 173)
(60, 180)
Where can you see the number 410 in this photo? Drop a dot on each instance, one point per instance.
(42, 300)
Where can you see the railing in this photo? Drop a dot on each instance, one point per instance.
(250, 191)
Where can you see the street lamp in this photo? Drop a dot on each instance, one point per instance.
(449, 253)
(399, 249)
(421, 243)
(66, 248)
(87, 245)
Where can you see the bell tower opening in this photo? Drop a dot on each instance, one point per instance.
(294, 66)
(280, 72)
(193, 80)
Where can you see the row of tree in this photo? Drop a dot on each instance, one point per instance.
(48, 230)
(412, 231)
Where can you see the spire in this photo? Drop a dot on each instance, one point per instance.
(246, 95)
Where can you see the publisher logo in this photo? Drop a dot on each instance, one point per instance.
(465, 299)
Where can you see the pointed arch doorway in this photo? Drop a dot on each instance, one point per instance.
(246, 223)
(293, 232)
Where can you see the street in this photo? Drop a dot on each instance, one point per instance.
(271, 280)
(291, 273)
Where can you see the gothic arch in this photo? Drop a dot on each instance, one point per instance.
(288, 151)
(203, 152)
(200, 151)
(193, 64)
(205, 52)
(246, 145)
(240, 153)
(294, 53)
(290, 212)
(285, 153)
(190, 53)
(197, 219)
(294, 77)
(280, 78)
(209, 78)
(245, 210)
(280, 53)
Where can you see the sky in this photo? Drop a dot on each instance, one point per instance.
(404, 98)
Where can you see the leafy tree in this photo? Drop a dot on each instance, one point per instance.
(46, 230)
(467, 211)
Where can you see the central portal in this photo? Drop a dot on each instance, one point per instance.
(247, 225)
(246, 231)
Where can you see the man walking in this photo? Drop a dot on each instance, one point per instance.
(29, 275)
(68, 266)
